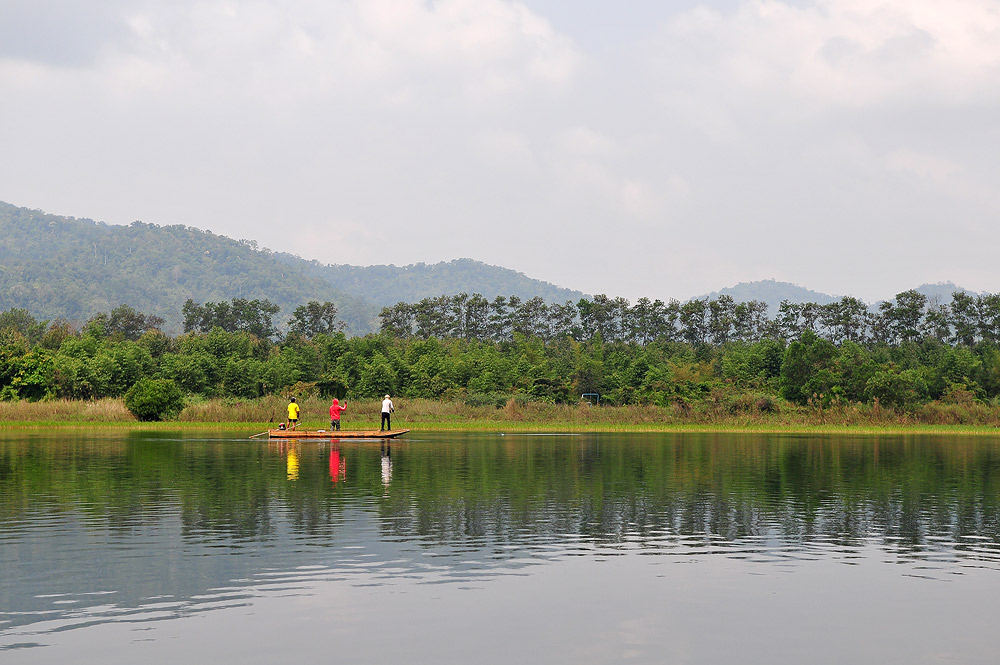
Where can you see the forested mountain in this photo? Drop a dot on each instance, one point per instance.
(60, 267)
(941, 292)
(772, 292)
(64, 267)
(387, 285)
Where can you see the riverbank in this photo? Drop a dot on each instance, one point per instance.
(431, 415)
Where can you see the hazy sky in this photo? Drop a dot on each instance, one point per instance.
(662, 148)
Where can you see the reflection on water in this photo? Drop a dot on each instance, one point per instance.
(98, 529)
(386, 461)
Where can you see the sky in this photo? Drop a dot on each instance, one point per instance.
(651, 148)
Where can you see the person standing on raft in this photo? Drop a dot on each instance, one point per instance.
(293, 414)
(335, 411)
(387, 410)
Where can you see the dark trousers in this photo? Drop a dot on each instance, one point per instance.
(335, 424)
(385, 421)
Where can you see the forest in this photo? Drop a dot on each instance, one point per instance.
(703, 353)
(63, 267)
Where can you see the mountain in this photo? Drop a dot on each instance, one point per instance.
(64, 267)
(386, 285)
(941, 291)
(772, 292)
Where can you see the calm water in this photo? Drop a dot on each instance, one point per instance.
(484, 548)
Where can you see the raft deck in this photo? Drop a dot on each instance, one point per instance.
(334, 434)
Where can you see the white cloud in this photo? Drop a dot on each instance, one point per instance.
(306, 49)
(585, 141)
(850, 53)
(934, 169)
(507, 149)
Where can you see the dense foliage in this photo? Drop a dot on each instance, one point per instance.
(68, 268)
(384, 285)
(154, 399)
(487, 352)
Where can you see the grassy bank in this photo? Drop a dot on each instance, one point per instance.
(424, 414)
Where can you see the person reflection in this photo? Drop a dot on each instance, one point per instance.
(292, 463)
(338, 466)
(386, 464)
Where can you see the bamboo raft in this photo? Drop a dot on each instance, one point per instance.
(334, 434)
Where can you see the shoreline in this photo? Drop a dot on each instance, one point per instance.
(255, 416)
(520, 427)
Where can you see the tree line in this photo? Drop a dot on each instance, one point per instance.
(966, 320)
(905, 354)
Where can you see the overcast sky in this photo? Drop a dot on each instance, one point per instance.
(662, 148)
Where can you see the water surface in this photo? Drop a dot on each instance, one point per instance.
(456, 548)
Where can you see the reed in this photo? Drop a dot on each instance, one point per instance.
(65, 410)
(742, 413)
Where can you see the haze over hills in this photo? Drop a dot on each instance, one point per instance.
(385, 285)
(941, 292)
(772, 292)
(64, 267)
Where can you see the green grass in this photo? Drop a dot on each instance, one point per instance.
(253, 416)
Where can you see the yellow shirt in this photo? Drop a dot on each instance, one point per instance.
(293, 411)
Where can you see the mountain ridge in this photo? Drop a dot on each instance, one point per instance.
(772, 292)
(74, 268)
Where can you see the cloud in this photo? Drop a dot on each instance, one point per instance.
(283, 57)
(933, 169)
(304, 49)
(846, 53)
(581, 140)
(61, 33)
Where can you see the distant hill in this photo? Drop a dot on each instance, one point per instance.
(386, 285)
(772, 292)
(64, 267)
(941, 291)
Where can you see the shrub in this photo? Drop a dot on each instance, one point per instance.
(896, 389)
(495, 399)
(154, 399)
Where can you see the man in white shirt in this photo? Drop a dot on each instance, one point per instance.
(387, 409)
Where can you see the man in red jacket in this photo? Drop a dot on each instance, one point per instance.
(335, 410)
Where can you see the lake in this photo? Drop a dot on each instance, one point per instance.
(161, 547)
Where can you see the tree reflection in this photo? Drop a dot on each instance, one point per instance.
(908, 494)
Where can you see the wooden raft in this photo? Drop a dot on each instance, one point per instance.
(334, 434)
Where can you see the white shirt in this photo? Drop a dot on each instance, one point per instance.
(387, 406)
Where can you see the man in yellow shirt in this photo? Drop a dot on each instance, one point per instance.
(293, 414)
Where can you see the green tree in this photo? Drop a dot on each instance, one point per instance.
(694, 326)
(315, 318)
(377, 378)
(255, 317)
(23, 322)
(397, 320)
(846, 319)
(896, 389)
(964, 318)
(243, 377)
(808, 368)
(154, 399)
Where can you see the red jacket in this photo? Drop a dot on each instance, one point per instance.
(335, 410)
